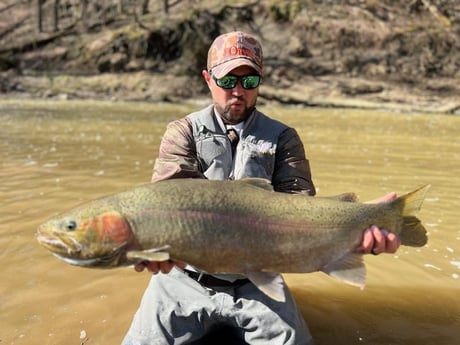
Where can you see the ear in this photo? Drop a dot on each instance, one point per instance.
(206, 76)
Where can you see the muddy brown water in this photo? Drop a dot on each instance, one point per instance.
(56, 155)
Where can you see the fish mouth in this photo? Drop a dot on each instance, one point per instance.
(77, 261)
(59, 244)
(72, 252)
(99, 262)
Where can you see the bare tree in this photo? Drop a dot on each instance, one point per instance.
(145, 6)
(40, 15)
(56, 15)
(120, 6)
(83, 11)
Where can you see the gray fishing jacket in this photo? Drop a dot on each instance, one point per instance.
(197, 147)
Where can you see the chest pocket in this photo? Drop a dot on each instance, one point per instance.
(257, 160)
(215, 155)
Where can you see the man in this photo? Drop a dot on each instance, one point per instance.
(229, 140)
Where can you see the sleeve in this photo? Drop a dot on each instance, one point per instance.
(292, 172)
(177, 156)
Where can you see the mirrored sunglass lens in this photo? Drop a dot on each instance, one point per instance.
(250, 82)
(227, 82)
(230, 81)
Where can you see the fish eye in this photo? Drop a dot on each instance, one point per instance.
(70, 225)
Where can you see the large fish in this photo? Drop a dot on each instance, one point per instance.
(241, 227)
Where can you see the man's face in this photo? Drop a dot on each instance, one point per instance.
(237, 104)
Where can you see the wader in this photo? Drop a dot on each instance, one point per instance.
(187, 307)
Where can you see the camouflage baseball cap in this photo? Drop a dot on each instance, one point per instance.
(232, 50)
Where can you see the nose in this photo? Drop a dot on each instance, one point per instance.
(238, 89)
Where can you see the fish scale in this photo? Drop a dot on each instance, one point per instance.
(236, 227)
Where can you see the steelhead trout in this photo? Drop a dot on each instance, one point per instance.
(241, 227)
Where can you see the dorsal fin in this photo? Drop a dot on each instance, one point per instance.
(346, 197)
(258, 182)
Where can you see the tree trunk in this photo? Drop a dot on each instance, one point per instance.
(39, 15)
(145, 6)
(56, 15)
(84, 10)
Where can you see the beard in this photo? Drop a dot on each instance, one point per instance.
(232, 117)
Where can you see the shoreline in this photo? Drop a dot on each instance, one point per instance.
(139, 87)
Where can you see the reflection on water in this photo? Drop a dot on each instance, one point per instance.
(56, 155)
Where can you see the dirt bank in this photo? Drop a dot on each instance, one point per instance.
(401, 55)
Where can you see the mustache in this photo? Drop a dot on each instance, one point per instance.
(237, 99)
(233, 101)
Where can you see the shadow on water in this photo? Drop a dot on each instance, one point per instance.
(382, 315)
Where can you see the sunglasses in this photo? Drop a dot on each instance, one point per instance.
(248, 82)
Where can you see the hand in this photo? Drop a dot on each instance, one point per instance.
(157, 266)
(376, 240)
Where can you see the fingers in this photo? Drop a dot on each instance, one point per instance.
(152, 266)
(139, 267)
(379, 240)
(158, 266)
(166, 266)
(376, 241)
(367, 243)
(388, 197)
(180, 264)
(392, 244)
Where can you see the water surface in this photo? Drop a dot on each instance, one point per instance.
(56, 155)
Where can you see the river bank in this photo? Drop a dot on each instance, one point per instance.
(358, 54)
(149, 87)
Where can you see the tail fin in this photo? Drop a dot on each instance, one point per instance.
(413, 233)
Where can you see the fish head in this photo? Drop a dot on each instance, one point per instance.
(88, 236)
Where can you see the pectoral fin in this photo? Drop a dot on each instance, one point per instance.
(349, 269)
(155, 254)
(271, 284)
